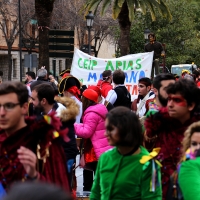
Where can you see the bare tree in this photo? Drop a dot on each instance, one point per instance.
(9, 28)
(9, 24)
(74, 19)
(29, 25)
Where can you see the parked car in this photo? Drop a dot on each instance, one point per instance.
(177, 69)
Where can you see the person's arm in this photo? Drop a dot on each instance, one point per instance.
(88, 127)
(96, 190)
(112, 96)
(189, 179)
(146, 194)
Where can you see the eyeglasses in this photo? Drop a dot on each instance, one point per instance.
(9, 106)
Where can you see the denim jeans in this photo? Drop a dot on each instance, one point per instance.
(70, 164)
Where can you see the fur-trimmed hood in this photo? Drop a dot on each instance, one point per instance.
(71, 111)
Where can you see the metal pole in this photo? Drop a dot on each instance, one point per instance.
(20, 39)
(89, 47)
(54, 67)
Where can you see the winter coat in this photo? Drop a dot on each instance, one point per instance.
(105, 87)
(68, 117)
(93, 127)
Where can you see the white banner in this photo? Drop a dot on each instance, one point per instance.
(89, 69)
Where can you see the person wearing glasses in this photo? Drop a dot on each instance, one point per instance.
(189, 170)
(165, 128)
(30, 148)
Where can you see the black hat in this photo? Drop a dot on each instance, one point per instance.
(64, 71)
(67, 83)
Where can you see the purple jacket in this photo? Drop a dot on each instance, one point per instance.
(93, 127)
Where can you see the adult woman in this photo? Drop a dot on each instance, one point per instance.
(93, 127)
(125, 172)
(189, 173)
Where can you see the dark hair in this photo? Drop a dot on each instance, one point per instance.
(37, 191)
(146, 81)
(188, 89)
(18, 88)
(162, 77)
(153, 35)
(46, 91)
(31, 74)
(118, 76)
(87, 103)
(128, 124)
(106, 74)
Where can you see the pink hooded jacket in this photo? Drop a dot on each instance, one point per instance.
(93, 127)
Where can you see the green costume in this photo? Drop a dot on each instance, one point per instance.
(189, 179)
(124, 177)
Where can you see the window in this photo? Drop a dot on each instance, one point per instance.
(60, 66)
(14, 68)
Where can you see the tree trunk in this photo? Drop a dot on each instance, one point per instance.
(125, 26)
(43, 9)
(9, 63)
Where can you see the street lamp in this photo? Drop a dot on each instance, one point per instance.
(89, 21)
(146, 34)
(20, 39)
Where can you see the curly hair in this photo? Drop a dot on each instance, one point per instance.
(195, 127)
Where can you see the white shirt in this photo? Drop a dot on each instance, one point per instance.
(112, 95)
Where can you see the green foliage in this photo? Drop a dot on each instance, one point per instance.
(179, 35)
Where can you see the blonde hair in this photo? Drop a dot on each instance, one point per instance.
(195, 127)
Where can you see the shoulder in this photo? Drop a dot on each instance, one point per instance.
(97, 107)
(110, 153)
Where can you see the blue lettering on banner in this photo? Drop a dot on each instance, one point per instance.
(131, 77)
(92, 76)
(134, 75)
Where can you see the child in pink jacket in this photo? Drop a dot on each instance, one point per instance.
(93, 125)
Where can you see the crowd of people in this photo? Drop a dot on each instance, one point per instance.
(148, 148)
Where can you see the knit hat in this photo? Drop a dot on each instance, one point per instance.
(95, 88)
(91, 95)
(67, 83)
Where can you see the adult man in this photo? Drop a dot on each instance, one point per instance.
(43, 101)
(119, 96)
(157, 47)
(105, 83)
(160, 83)
(42, 78)
(165, 128)
(140, 105)
(30, 77)
(29, 147)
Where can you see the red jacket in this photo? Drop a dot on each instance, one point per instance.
(105, 87)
